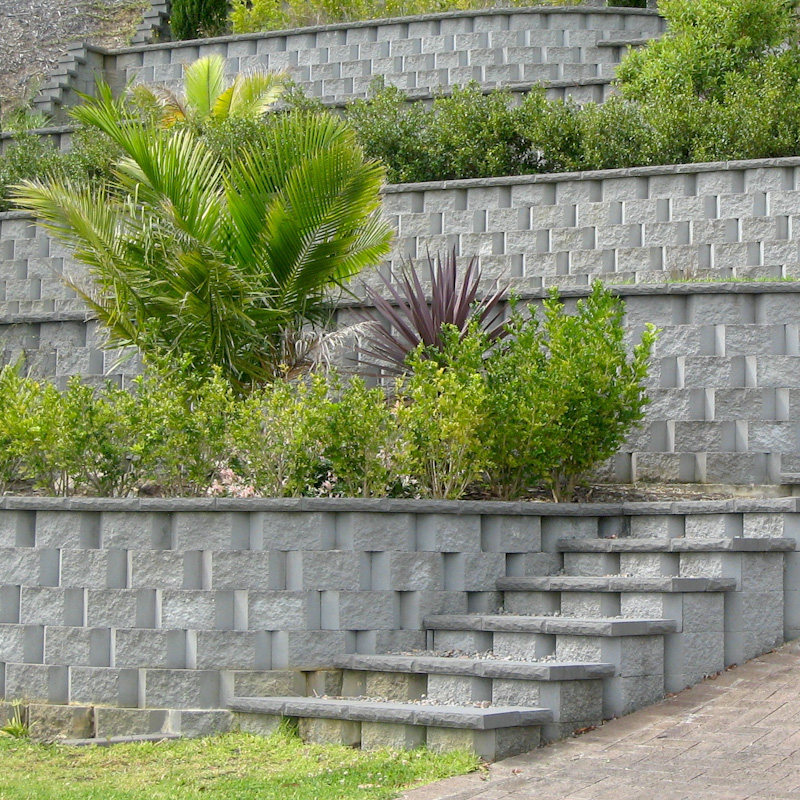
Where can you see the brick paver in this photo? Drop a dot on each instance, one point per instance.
(733, 737)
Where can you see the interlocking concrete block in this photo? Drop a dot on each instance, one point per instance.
(624, 695)
(330, 731)
(689, 657)
(70, 529)
(89, 568)
(416, 571)
(359, 610)
(399, 686)
(244, 650)
(258, 724)
(49, 605)
(293, 530)
(22, 643)
(157, 569)
(458, 689)
(121, 608)
(172, 688)
(211, 530)
(287, 611)
(448, 533)
(17, 528)
(157, 649)
(377, 735)
(110, 722)
(196, 724)
(713, 526)
(759, 526)
(47, 684)
(649, 564)
(587, 564)
(269, 683)
(505, 645)
(135, 531)
(305, 649)
(374, 532)
(189, 609)
(491, 745)
(245, 569)
(331, 569)
(103, 685)
(90, 647)
(20, 566)
(51, 722)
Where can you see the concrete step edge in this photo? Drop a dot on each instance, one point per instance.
(569, 626)
(616, 583)
(473, 718)
(482, 668)
(738, 544)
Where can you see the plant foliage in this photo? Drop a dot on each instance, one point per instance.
(213, 258)
(191, 19)
(409, 319)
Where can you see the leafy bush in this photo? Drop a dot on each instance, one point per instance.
(412, 320)
(249, 16)
(191, 19)
(541, 406)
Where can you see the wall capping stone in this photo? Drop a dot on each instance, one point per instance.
(338, 26)
(735, 505)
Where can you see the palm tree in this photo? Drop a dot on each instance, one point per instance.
(220, 261)
(207, 99)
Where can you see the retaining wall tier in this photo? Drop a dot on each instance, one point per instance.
(338, 62)
(187, 604)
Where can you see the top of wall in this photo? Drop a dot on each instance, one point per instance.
(736, 505)
(586, 8)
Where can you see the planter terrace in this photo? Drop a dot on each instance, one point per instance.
(488, 625)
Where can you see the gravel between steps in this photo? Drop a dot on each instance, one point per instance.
(34, 34)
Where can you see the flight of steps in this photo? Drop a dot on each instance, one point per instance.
(625, 621)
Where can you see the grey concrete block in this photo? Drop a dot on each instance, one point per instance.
(374, 532)
(189, 609)
(157, 569)
(53, 722)
(231, 650)
(245, 569)
(103, 685)
(282, 610)
(74, 529)
(211, 530)
(195, 724)
(269, 683)
(448, 533)
(377, 735)
(331, 569)
(47, 684)
(110, 722)
(293, 531)
(121, 608)
(140, 531)
(142, 647)
(77, 646)
(20, 566)
(182, 689)
(48, 605)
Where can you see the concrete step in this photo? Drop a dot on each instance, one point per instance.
(493, 732)
(738, 544)
(635, 646)
(573, 691)
(615, 583)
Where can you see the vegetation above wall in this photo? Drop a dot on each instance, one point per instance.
(722, 84)
(542, 407)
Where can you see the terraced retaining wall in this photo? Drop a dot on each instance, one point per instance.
(576, 48)
(183, 604)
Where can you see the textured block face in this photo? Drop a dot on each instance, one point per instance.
(114, 687)
(377, 735)
(182, 688)
(330, 731)
(61, 722)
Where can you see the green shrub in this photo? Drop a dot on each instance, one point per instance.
(191, 19)
(18, 403)
(562, 394)
(249, 16)
(441, 413)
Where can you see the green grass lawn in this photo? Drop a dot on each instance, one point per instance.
(232, 766)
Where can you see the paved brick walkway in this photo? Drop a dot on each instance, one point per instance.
(735, 737)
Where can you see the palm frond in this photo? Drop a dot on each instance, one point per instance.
(204, 82)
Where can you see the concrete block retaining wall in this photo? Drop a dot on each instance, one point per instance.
(181, 603)
(578, 46)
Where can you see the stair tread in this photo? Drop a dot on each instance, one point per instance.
(577, 626)
(476, 667)
(677, 545)
(615, 583)
(449, 716)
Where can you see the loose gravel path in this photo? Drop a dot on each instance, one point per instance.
(35, 33)
(736, 737)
